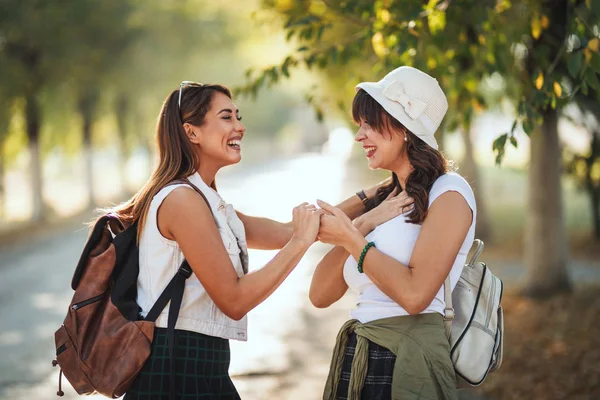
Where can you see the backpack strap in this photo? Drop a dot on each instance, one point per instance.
(174, 293)
(449, 309)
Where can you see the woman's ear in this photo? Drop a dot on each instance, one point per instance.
(190, 132)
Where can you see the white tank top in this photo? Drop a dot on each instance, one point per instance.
(160, 259)
(397, 239)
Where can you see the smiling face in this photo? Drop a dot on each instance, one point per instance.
(384, 150)
(380, 135)
(219, 137)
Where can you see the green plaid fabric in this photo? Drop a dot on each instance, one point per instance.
(380, 371)
(201, 369)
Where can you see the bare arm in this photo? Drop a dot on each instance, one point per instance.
(328, 284)
(353, 206)
(414, 286)
(185, 218)
(267, 234)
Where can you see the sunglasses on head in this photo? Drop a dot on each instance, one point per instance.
(185, 84)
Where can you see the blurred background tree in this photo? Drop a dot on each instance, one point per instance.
(79, 77)
(584, 164)
(82, 83)
(544, 51)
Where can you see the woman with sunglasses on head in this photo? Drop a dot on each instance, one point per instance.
(395, 347)
(199, 132)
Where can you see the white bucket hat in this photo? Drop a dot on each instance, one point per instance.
(414, 98)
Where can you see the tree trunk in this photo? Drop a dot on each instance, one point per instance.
(470, 172)
(595, 200)
(593, 188)
(88, 102)
(3, 212)
(89, 159)
(33, 122)
(545, 231)
(121, 115)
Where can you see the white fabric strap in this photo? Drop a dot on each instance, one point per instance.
(449, 309)
(427, 123)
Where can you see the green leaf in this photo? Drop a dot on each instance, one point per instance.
(513, 141)
(574, 64)
(592, 79)
(303, 48)
(514, 125)
(595, 62)
(319, 114)
(500, 142)
(302, 21)
(289, 35)
(320, 32)
(333, 54)
(528, 126)
(499, 147)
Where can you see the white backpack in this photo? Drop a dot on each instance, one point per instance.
(474, 320)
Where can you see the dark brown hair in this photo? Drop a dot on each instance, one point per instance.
(176, 156)
(428, 163)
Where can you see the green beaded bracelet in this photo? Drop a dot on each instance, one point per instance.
(363, 254)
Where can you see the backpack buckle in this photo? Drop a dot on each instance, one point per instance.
(448, 314)
(185, 270)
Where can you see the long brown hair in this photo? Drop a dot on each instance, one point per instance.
(176, 156)
(428, 163)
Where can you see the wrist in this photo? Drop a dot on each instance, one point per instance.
(362, 224)
(355, 242)
(299, 243)
(363, 198)
(371, 192)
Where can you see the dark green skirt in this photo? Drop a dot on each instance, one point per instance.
(201, 369)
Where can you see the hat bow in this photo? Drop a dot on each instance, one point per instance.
(413, 107)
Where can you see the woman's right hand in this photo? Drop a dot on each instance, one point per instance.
(391, 207)
(306, 220)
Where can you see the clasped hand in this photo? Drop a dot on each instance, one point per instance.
(337, 229)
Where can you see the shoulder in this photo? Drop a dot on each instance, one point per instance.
(164, 192)
(452, 182)
(182, 197)
(451, 179)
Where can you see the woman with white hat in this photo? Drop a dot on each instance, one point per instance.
(395, 347)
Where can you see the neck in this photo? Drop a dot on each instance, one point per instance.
(403, 170)
(208, 172)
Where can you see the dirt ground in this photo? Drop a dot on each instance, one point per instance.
(552, 348)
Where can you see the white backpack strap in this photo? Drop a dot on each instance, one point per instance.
(448, 310)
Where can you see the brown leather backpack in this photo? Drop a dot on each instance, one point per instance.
(103, 343)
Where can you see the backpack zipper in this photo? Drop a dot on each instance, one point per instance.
(87, 302)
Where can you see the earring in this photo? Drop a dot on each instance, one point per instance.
(406, 138)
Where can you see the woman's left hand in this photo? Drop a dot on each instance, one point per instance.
(336, 228)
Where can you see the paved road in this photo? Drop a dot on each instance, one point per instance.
(287, 355)
(35, 291)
